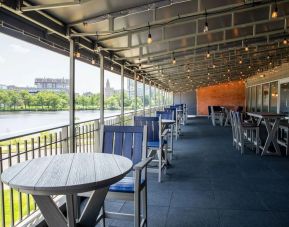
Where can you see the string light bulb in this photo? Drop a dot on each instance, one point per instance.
(93, 61)
(285, 41)
(246, 48)
(174, 59)
(206, 27)
(77, 54)
(208, 54)
(149, 39)
(275, 11)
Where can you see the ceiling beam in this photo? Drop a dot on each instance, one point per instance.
(183, 49)
(128, 11)
(52, 6)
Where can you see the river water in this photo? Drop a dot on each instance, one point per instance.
(20, 121)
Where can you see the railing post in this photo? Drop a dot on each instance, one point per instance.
(143, 93)
(96, 137)
(101, 82)
(72, 98)
(122, 94)
(65, 139)
(135, 93)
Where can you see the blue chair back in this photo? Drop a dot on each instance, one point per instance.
(168, 115)
(172, 109)
(127, 141)
(153, 126)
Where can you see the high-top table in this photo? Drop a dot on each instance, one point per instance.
(167, 123)
(227, 113)
(68, 174)
(272, 130)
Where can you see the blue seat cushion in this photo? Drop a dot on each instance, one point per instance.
(155, 144)
(126, 184)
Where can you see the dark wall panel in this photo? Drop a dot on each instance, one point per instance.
(188, 98)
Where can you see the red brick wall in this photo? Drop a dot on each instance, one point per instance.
(226, 94)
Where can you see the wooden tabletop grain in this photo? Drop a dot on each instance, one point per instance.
(67, 173)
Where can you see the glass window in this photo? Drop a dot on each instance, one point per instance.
(284, 98)
(128, 95)
(259, 98)
(147, 96)
(112, 90)
(249, 99)
(274, 96)
(265, 105)
(139, 95)
(253, 99)
(87, 91)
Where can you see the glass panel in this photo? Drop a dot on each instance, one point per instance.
(112, 86)
(259, 98)
(139, 95)
(253, 99)
(265, 105)
(284, 98)
(274, 96)
(87, 89)
(249, 98)
(128, 95)
(147, 96)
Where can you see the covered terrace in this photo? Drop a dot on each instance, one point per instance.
(224, 62)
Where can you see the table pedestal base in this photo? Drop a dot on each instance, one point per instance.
(54, 217)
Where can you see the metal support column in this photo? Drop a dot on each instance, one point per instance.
(71, 97)
(155, 88)
(101, 82)
(122, 94)
(143, 93)
(150, 97)
(135, 93)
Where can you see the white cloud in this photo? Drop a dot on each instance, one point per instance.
(19, 49)
(2, 60)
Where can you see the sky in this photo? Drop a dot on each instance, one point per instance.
(22, 62)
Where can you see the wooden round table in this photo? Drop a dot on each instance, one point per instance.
(68, 174)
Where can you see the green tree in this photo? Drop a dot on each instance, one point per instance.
(4, 99)
(14, 99)
(26, 98)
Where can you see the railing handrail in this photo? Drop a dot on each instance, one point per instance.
(32, 131)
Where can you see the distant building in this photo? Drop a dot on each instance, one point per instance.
(42, 84)
(3, 87)
(108, 91)
(130, 89)
(58, 85)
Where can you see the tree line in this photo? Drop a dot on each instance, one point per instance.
(12, 100)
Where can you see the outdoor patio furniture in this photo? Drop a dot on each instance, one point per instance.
(156, 142)
(65, 175)
(168, 123)
(217, 115)
(243, 129)
(130, 142)
(271, 121)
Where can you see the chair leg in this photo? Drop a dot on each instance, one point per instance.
(137, 219)
(144, 204)
(257, 141)
(242, 142)
(159, 153)
(103, 216)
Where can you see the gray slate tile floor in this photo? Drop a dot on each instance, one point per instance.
(212, 184)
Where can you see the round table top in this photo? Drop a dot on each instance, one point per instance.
(67, 173)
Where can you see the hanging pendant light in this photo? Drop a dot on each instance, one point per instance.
(149, 39)
(206, 26)
(275, 11)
